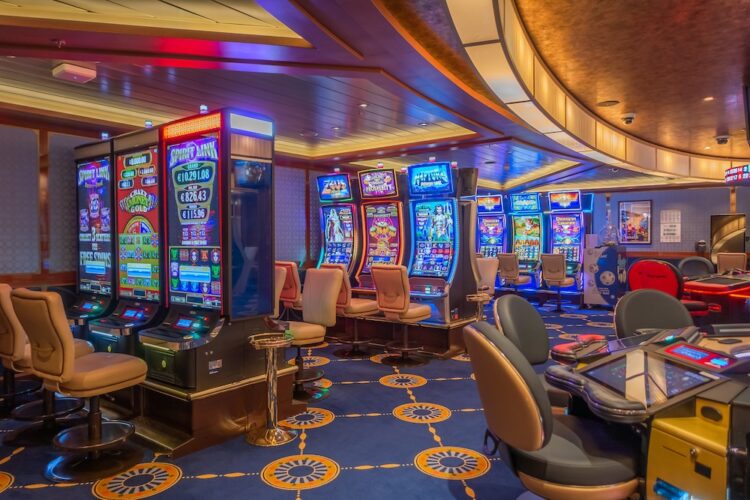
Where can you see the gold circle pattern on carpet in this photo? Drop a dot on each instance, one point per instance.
(312, 418)
(6, 480)
(402, 381)
(311, 361)
(378, 358)
(422, 413)
(140, 481)
(300, 472)
(452, 462)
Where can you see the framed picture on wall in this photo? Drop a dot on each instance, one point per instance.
(634, 223)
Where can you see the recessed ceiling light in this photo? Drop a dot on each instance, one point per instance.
(423, 124)
(453, 148)
(708, 98)
(707, 147)
(607, 104)
(363, 105)
(308, 133)
(490, 162)
(335, 129)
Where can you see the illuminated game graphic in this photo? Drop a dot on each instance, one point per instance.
(338, 233)
(525, 202)
(430, 178)
(567, 235)
(94, 227)
(565, 200)
(434, 232)
(194, 230)
(489, 204)
(491, 231)
(138, 224)
(382, 230)
(527, 236)
(378, 183)
(334, 187)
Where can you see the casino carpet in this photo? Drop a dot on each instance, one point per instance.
(382, 433)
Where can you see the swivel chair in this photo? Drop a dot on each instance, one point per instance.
(510, 272)
(14, 353)
(487, 268)
(354, 308)
(319, 311)
(649, 309)
(98, 449)
(291, 293)
(554, 455)
(554, 275)
(394, 301)
(661, 275)
(727, 262)
(694, 267)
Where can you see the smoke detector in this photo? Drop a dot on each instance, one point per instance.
(73, 73)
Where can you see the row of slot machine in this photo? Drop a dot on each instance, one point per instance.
(554, 223)
(422, 217)
(175, 256)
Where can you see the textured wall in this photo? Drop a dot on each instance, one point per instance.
(289, 184)
(696, 205)
(19, 200)
(62, 201)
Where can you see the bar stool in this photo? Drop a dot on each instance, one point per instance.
(98, 449)
(728, 262)
(510, 272)
(393, 297)
(554, 275)
(354, 308)
(291, 293)
(487, 267)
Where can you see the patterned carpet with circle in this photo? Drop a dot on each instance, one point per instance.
(383, 432)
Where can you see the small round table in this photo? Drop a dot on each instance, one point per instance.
(272, 434)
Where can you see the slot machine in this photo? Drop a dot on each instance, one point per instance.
(567, 228)
(338, 221)
(442, 266)
(382, 221)
(95, 228)
(528, 235)
(138, 249)
(218, 207)
(490, 225)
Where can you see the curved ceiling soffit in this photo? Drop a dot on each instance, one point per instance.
(500, 49)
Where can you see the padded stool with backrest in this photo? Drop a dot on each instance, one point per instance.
(727, 262)
(487, 270)
(354, 308)
(291, 293)
(98, 449)
(521, 323)
(15, 353)
(554, 455)
(510, 272)
(660, 275)
(319, 311)
(649, 309)
(695, 267)
(394, 301)
(554, 275)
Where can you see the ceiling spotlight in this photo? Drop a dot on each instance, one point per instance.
(432, 159)
(308, 133)
(453, 148)
(707, 147)
(614, 170)
(380, 164)
(607, 104)
(148, 123)
(335, 129)
(454, 164)
(363, 105)
(104, 135)
(337, 169)
(708, 98)
(423, 124)
(203, 109)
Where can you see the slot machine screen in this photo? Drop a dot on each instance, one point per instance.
(525, 202)
(567, 235)
(435, 239)
(489, 204)
(430, 178)
(565, 200)
(334, 187)
(491, 230)
(138, 229)
(338, 233)
(194, 236)
(379, 183)
(95, 227)
(527, 236)
(383, 234)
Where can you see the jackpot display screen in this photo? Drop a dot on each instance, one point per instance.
(194, 237)
(567, 235)
(334, 187)
(489, 204)
(95, 226)
(383, 234)
(434, 237)
(525, 202)
(430, 178)
(491, 234)
(378, 183)
(138, 229)
(527, 236)
(565, 200)
(338, 234)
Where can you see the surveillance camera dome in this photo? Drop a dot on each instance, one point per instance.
(722, 139)
(627, 118)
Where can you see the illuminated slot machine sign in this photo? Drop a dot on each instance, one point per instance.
(737, 175)
(194, 236)
(378, 183)
(338, 233)
(383, 234)
(138, 228)
(94, 227)
(527, 228)
(334, 187)
(434, 232)
(490, 225)
(565, 201)
(430, 179)
(567, 235)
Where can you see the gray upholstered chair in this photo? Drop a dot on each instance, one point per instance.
(510, 272)
(318, 312)
(98, 449)
(694, 266)
(554, 455)
(730, 261)
(521, 323)
(554, 274)
(649, 309)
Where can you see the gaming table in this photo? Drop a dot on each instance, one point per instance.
(726, 294)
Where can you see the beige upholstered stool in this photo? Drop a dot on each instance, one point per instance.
(727, 262)
(554, 275)
(14, 353)
(393, 297)
(98, 449)
(322, 289)
(355, 308)
(291, 293)
(510, 272)
(487, 267)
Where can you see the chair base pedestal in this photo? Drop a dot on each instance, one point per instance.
(402, 357)
(35, 410)
(39, 433)
(92, 466)
(356, 350)
(272, 437)
(16, 388)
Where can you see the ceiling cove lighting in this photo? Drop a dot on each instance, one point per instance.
(504, 56)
